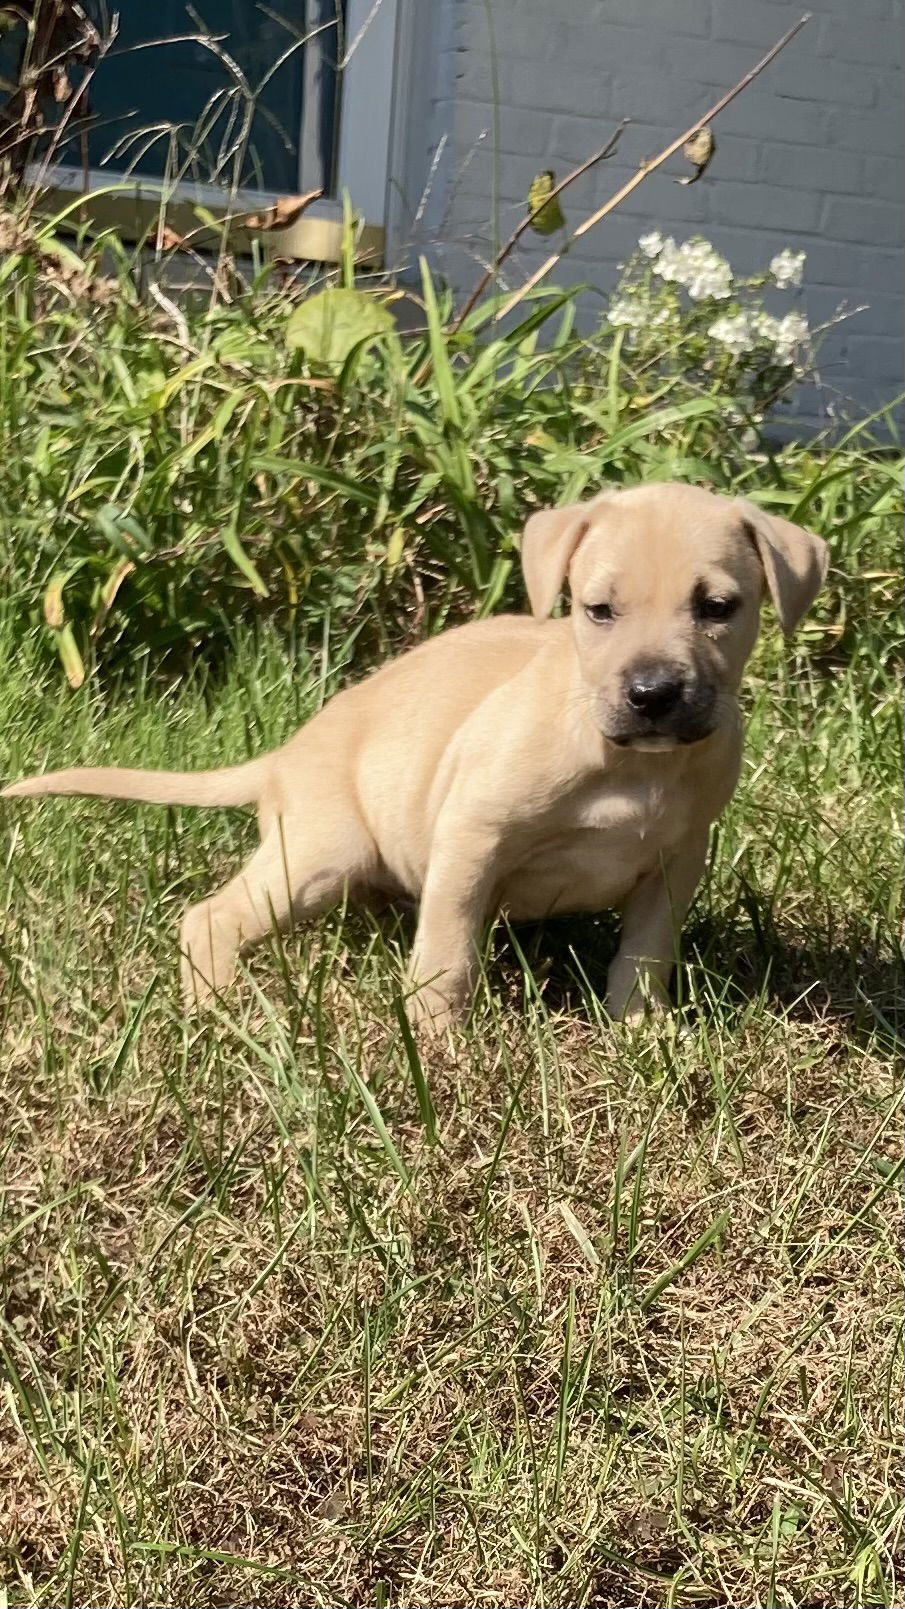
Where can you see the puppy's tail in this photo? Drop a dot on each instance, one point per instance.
(234, 785)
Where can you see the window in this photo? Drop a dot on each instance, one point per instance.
(236, 103)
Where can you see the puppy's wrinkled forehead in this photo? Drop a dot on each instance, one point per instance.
(648, 546)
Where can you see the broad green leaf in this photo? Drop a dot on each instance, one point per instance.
(327, 327)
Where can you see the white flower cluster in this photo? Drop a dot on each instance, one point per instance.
(634, 313)
(746, 331)
(628, 312)
(695, 264)
(791, 336)
(707, 276)
(736, 332)
(787, 268)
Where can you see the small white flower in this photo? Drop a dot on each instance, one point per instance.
(707, 274)
(765, 327)
(627, 312)
(651, 244)
(669, 259)
(787, 268)
(746, 331)
(791, 335)
(734, 332)
(703, 272)
(712, 279)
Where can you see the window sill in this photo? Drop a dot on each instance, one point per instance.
(135, 209)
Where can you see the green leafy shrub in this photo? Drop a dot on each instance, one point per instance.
(167, 470)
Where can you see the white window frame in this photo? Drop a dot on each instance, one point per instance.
(365, 119)
(373, 110)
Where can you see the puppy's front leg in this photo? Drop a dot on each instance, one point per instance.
(454, 906)
(653, 913)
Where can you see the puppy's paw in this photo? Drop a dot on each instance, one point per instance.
(433, 1014)
(206, 963)
(654, 1009)
(632, 999)
(196, 991)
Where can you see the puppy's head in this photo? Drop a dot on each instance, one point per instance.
(666, 584)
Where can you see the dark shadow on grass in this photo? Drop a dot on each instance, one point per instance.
(727, 962)
(851, 981)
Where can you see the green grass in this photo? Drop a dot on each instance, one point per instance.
(575, 1316)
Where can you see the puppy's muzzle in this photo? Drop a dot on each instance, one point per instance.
(661, 703)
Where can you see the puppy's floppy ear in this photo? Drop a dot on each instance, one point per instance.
(794, 561)
(549, 542)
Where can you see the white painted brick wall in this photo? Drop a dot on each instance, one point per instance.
(808, 156)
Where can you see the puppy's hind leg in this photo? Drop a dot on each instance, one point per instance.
(303, 866)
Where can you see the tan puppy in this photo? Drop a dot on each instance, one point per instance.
(531, 766)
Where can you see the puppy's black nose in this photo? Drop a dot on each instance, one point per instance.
(654, 690)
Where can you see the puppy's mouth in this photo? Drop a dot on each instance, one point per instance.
(645, 745)
(656, 742)
(692, 723)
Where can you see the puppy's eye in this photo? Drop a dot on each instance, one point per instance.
(600, 613)
(717, 609)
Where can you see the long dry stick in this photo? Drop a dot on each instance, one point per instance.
(519, 230)
(656, 162)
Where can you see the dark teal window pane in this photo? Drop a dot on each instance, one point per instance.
(292, 136)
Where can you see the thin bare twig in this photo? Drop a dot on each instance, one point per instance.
(172, 312)
(656, 162)
(576, 173)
